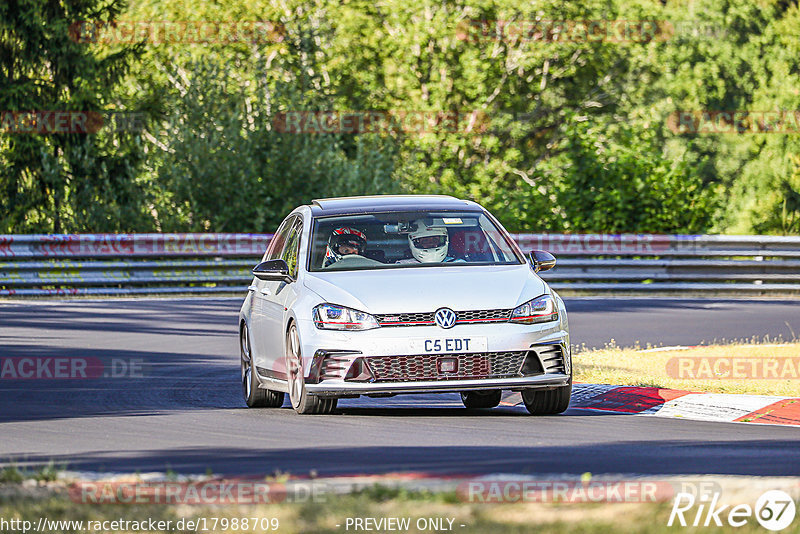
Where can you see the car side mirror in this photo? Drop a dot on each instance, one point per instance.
(274, 270)
(542, 261)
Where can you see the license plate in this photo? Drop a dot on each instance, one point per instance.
(447, 345)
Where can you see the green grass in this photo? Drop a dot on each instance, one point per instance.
(376, 502)
(632, 367)
(12, 473)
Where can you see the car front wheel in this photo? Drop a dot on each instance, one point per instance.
(548, 401)
(302, 402)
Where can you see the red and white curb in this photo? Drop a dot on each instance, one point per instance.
(661, 402)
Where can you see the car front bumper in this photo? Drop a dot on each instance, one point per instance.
(396, 342)
(335, 388)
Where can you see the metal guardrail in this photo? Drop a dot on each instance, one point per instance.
(120, 264)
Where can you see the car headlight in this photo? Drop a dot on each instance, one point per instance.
(539, 310)
(332, 317)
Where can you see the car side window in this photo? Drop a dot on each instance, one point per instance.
(278, 242)
(292, 248)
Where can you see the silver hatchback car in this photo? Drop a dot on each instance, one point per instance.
(384, 295)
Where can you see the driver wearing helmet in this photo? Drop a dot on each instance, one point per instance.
(428, 244)
(344, 241)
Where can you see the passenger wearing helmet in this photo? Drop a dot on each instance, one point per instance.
(428, 244)
(344, 241)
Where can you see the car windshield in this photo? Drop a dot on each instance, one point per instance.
(408, 239)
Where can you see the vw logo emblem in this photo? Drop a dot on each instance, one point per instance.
(445, 317)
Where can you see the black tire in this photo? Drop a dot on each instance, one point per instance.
(254, 396)
(481, 399)
(548, 401)
(302, 402)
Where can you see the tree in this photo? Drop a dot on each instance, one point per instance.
(617, 179)
(77, 179)
(216, 160)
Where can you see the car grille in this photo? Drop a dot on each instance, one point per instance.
(405, 319)
(426, 318)
(483, 316)
(425, 366)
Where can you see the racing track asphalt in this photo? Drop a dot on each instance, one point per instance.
(185, 413)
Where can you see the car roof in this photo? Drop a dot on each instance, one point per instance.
(383, 203)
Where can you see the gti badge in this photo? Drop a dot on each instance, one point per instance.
(445, 317)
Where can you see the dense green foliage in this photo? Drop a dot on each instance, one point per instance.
(572, 134)
(66, 181)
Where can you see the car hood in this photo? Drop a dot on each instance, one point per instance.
(424, 289)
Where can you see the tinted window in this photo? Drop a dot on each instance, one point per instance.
(278, 241)
(408, 239)
(292, 248)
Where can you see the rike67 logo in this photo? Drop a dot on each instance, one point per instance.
(774, 510)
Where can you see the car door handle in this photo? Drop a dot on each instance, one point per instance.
(263, 290)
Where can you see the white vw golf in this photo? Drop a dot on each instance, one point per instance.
(384, 295)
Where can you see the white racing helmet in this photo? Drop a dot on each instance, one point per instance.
(428, 244)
